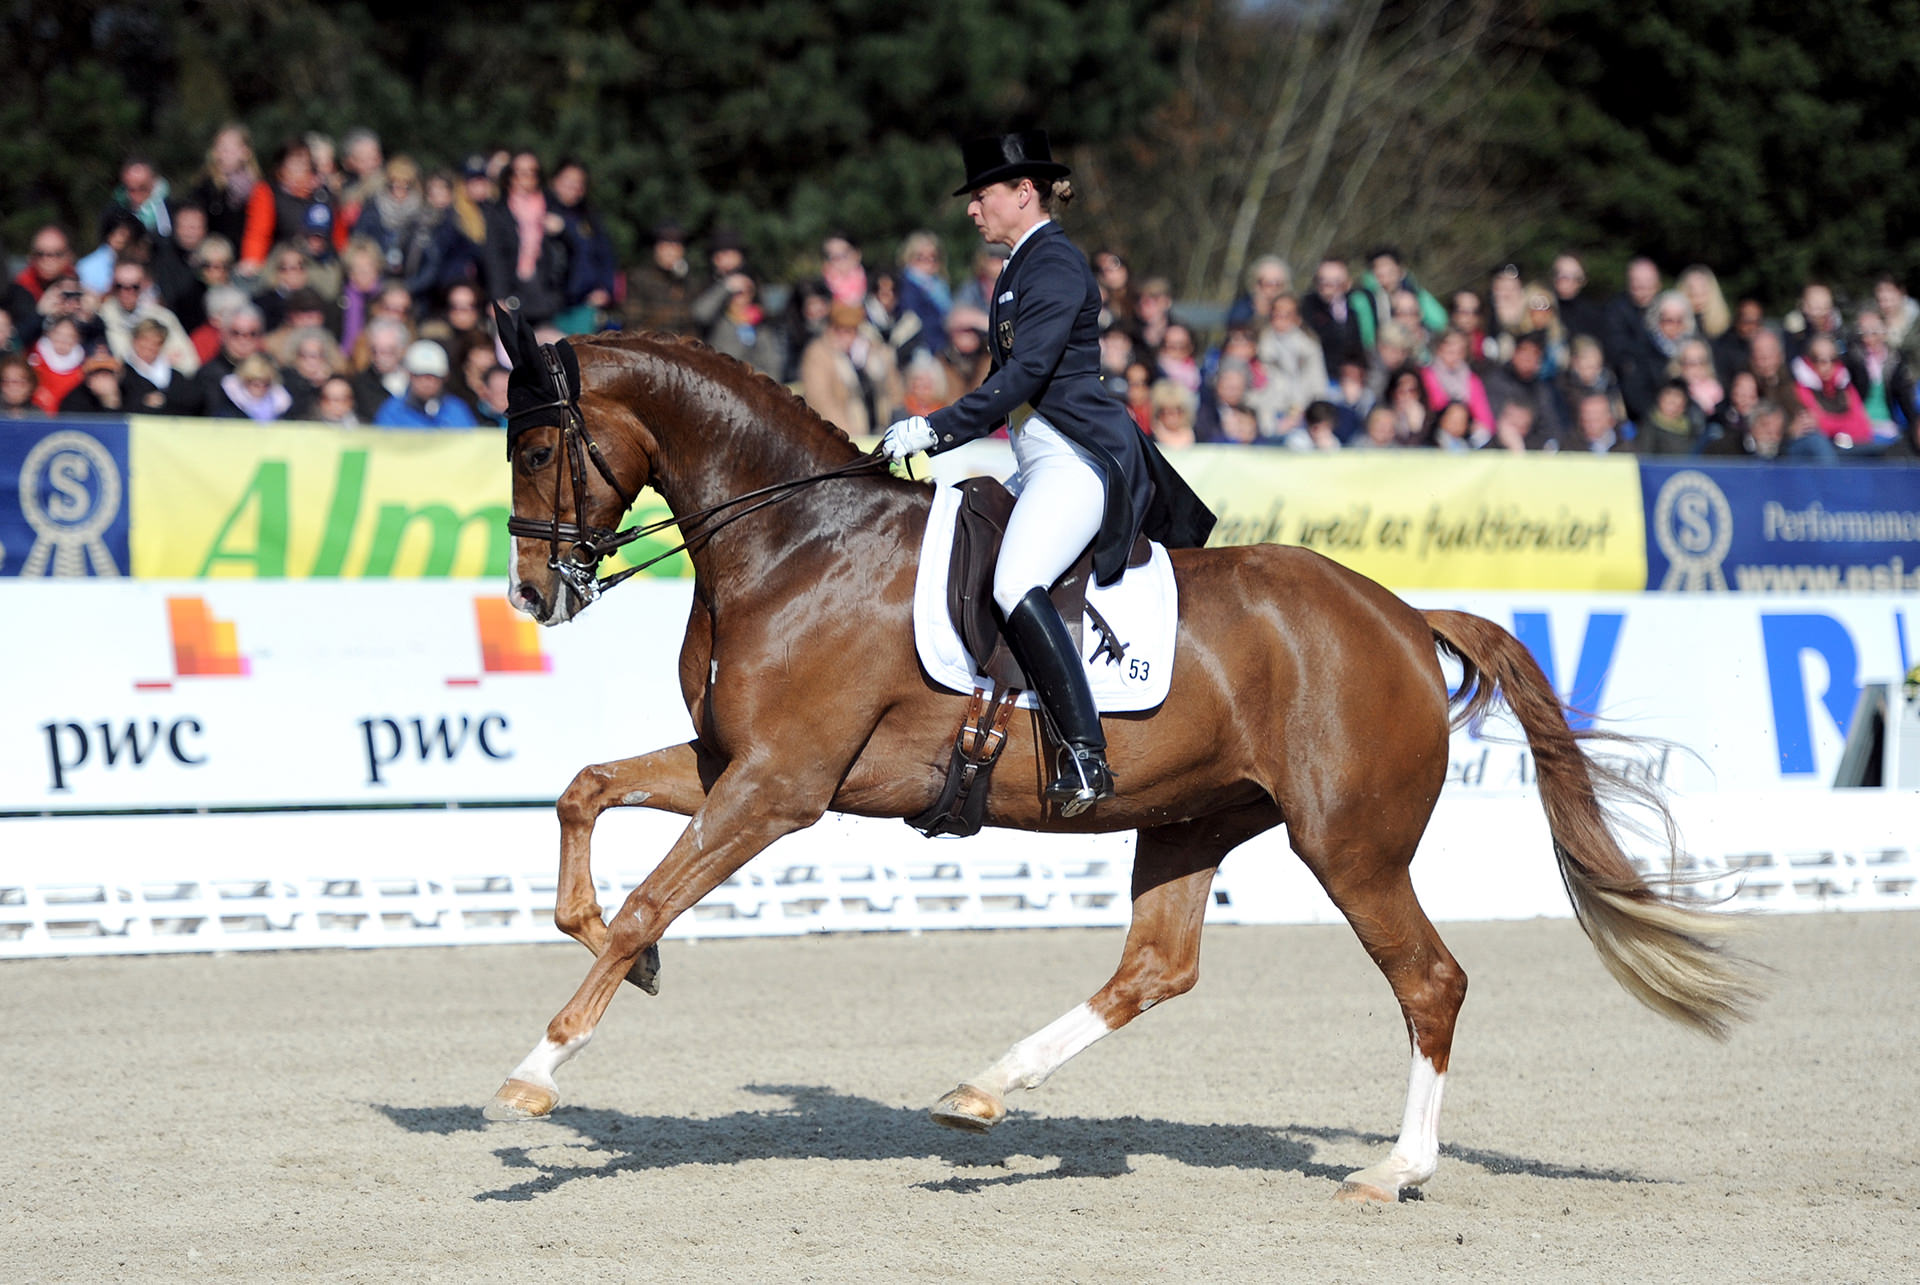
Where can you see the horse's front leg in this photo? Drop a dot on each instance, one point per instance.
(674, 779)
(749, 806)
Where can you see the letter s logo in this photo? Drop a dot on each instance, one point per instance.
(1694, 516)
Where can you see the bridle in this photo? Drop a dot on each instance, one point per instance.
(579, 569)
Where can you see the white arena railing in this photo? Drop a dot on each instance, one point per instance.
(103, 885)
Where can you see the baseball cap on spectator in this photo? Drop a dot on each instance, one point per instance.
(305, 299)
(725, 238)
(474, 166)
(100, 359)
(669, 231)
(425, 357)
(846, 316)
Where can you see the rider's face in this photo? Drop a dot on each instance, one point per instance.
(1000, 210)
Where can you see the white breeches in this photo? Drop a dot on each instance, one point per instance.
(1062, 496)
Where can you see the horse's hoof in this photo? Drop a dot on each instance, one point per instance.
(522, 1100)
(645, 972)
(1360, 1193)
(969, 1110)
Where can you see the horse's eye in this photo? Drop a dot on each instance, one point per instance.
(539, 457)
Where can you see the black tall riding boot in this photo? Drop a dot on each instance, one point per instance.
(1045, 650)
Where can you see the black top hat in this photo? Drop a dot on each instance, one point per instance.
(1024, 154)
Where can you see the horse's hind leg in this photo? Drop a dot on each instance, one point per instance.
(674, 779)
(1430, 986)
(1173, 868)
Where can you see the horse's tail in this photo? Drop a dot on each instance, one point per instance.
(1666, 953)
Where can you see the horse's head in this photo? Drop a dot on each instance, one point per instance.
(571, 485)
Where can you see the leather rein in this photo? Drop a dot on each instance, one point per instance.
(579, 569)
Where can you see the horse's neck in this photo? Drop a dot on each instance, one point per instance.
(720, 439)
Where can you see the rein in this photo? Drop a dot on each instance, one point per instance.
(579, 570)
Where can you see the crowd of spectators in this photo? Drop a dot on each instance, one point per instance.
(338, 285)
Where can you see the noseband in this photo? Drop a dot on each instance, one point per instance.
(580, 569)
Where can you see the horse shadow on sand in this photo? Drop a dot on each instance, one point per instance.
(820, 1124)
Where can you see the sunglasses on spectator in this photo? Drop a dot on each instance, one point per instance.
(49, 254)
(126, 285)
(249, 333)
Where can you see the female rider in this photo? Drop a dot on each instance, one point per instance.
(1087, 475)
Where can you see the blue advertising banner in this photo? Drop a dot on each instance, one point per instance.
(63, 498)
(1782, 528)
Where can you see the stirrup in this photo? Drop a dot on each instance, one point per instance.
(1081, 779)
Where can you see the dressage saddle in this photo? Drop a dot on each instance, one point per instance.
(979, 528)
(985, 506)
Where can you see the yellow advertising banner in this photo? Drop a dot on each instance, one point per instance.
(217, 499)
(1426, 520)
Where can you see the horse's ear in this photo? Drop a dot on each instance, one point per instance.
(515, 339)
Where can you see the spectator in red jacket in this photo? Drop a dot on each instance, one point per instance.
(1826, 390)
(50, 258)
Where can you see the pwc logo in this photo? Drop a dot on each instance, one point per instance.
(509, 641)
(203, 647)
(396, 745)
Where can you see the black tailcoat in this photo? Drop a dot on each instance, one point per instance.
(1044, 329)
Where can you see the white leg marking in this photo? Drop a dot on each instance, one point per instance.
(1028, 1063)
(1417, 1154)
(1419, 1146)
(538, 1066)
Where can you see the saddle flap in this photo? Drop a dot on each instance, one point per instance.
(985, 508)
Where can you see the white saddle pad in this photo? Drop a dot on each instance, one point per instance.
(1143, 607)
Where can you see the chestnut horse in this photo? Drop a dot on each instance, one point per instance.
(1303, 695)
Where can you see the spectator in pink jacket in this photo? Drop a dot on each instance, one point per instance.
(1826, 390)
(1450, 378)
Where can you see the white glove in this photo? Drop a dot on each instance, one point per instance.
(906, 437)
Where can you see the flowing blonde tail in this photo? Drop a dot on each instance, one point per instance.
(1667, 954)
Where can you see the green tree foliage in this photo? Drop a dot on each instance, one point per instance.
(1773, 141)
(781, 118)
